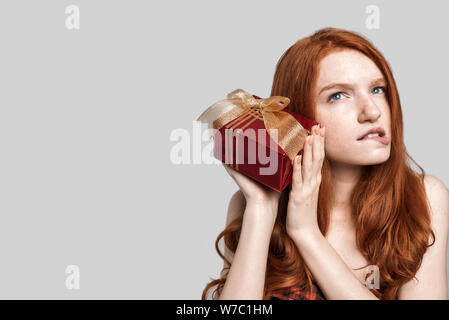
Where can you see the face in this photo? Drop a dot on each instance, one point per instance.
(350, 97)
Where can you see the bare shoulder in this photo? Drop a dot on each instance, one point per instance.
(432, 274)
(433, 182)
(236, 206)
(438, 200)
(438, 197)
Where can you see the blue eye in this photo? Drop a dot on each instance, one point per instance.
(382, 88)
(336, 96)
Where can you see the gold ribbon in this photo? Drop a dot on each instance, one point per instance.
(241, 106)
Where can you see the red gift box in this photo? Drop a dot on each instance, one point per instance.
(253, 151)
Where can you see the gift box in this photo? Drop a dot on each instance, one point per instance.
(258, 137)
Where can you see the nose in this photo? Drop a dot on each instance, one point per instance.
(369, 110)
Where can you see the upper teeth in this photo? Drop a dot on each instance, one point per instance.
(372, 135)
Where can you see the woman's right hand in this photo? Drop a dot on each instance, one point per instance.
(253, 191)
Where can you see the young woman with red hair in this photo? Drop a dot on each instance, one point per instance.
(354, 201)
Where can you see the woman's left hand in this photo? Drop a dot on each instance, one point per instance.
(306, 180)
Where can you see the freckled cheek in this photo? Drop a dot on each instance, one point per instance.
(338, 144)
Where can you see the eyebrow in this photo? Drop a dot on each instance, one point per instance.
(347, 85)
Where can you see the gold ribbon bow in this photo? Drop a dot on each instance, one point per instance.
(291, 134)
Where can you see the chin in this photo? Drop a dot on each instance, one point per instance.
(367, 160)
(373, 160)
(376, 162)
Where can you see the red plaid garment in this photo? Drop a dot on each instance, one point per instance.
(300, 293)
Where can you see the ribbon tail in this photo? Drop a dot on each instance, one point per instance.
(221, 112)
(215, 111)
(291, 135)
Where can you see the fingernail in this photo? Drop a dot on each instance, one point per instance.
(298, 159)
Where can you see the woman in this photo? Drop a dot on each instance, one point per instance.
(354, 206)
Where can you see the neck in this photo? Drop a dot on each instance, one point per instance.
(344, 179)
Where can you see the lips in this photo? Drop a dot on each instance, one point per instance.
(380, 138)
(383, 140)
(378, 130)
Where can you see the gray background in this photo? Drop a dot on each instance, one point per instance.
(86, 116)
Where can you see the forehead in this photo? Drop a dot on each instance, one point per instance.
(346, 66)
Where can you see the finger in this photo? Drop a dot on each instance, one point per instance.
(297, 176)
(307, 159)
(316, 148)
(323, 141)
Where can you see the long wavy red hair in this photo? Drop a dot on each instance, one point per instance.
(389, 203)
